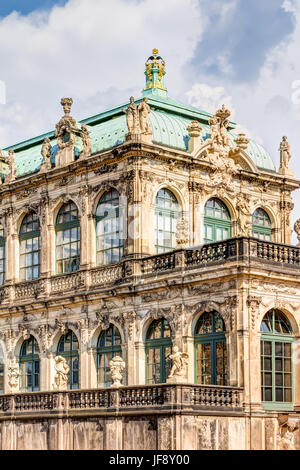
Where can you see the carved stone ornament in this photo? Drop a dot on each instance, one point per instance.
(62, 327)
(180, 362)
(66, 131)
(117, 366)
(182, 233)
(297, 230)
(103, 320)
(129, 319)
(288, 425)
(242, 141)
(194, 130)
(62, 370)
(218, 128)
(13, 375)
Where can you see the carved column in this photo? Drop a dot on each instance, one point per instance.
(46, 243)
(11, 248)
(286, 207)
(84, 227)
(133, 245)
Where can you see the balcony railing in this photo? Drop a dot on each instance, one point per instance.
(237, 250)
(165, 397)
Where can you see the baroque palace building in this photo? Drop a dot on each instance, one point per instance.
(150, 291)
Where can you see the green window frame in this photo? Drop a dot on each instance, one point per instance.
(30, 248)
(109, 345)
(167, 213)
(277, 387)
(217, 221)
(29, 362)
(210, 350)
(158, 350)
(109, 229)
(68, 348)
(2, 257)
(67, 239)
(261, 225)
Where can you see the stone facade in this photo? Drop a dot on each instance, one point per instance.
(241, 278)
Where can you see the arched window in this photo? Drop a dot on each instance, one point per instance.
(30, 247)
(67, 239)
(109, 345)
(261, 225)
(1, 371)
(217, 221)
(210, 350)
(109, 229)
(276, 360)
(68, 347)
(30, 366)
(2, 256)
(167, 212)
(158, 349)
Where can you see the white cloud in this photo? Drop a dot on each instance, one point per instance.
(92, 50)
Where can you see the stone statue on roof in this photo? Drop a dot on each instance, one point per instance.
(132, 118)
(144, 112)
(86, 140)
(11, 176)
(285, 156)
(138, 122)
(46, 154)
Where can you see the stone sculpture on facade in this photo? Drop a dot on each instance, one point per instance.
(46, 154)
(182, 233)
(242, 141)
(117, 365)
(286, 434)
(13, 375)
(218, 128)
(179, 368)
(285, 156)
(11, 176)
(244, 220)
(65, 133)
(297, 230)
(138, 122)
(62, 370)
(86, 140)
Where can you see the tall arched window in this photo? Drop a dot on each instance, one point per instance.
(167, 212)
(109, 346)
(68, 347)
(210, 350)
(30, 247)
(109, 228)
(261, 225)
(217, 221)
(158, 349)
(67, 239)
(276, 360)
(2, 256)
(30, 366)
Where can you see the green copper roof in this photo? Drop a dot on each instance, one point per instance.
(169, 120)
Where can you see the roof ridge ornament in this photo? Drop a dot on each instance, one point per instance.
(155, 72)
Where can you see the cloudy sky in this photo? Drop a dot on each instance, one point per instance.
(242, 53)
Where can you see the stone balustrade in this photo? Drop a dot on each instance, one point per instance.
(237, 250)
(111, 400)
